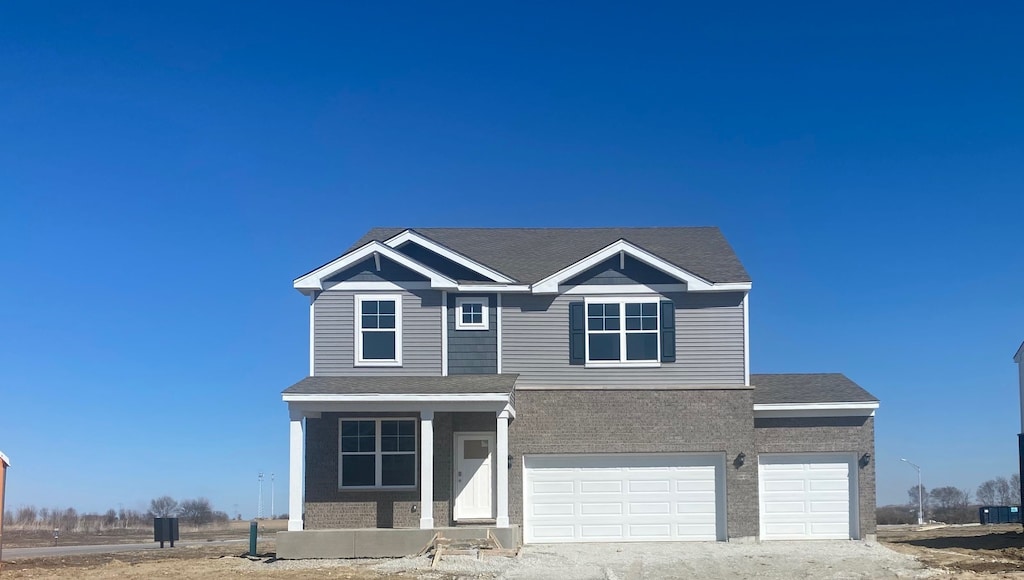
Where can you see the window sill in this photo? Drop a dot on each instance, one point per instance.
(378, 488)
(648, 364)
(374, 363)
(482, 327)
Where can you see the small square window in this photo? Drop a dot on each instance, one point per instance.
(471, 313)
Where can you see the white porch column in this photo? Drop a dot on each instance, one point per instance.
(296, 476)
(427, 470)
(501, 462)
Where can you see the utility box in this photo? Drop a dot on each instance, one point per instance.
(165, 530)
(999, 514)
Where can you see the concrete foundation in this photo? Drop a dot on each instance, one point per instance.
(379, 542)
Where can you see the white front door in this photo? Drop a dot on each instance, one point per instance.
(474, 476)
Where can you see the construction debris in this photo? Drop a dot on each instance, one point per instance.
(439, 546)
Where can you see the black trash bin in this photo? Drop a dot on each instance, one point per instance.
(165, 530)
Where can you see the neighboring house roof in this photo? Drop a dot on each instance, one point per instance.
(531, 254)
(1019, 357)
(807, 388)
(404, 385)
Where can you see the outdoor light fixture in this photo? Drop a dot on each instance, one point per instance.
(510, 461)
(741, 458)
(865, 459)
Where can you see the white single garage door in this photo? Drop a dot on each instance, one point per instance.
(623, 498)
(808, 497)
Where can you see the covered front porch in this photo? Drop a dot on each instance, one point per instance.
(399, 452)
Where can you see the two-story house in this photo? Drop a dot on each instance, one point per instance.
(569, 385)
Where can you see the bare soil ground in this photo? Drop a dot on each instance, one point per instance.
(970, 551)
(963, 552)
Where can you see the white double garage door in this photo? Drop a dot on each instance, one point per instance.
(681, 497)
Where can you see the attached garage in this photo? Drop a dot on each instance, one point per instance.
(623, 498)
(808, 496)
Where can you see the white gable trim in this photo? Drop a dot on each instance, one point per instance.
(694, 283)
(4, 459)
(314, 280)
(411, 236)
(782, 410)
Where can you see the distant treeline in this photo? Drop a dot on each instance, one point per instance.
(952, 505)
(196, 512)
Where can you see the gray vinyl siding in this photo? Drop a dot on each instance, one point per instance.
(709, 344)
(473, 352)
(608, 272)
(334, 334)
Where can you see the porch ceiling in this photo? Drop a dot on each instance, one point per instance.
(405, 385)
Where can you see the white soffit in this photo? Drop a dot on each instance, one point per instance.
(412, 236)
(314, 280)
(694, 282)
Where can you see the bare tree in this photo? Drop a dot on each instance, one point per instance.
(1002, 491)
(163, 507)
(196, 511)
(986, 493)
(1015, 489)
(913, 495)
(25, 516)
(951, 505)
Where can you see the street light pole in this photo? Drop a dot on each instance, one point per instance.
(920, 492)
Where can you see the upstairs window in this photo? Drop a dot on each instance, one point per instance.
(471, 314)
(378, 330)
(622, 332)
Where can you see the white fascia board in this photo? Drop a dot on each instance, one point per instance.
(412, 236)
(783, 410)
(620, 289)
(314, 280)
(3, 458)
(1019, 357)
(494, 288)
(694, 283)
(397, 398)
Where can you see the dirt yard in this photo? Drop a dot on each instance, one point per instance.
(964, 551)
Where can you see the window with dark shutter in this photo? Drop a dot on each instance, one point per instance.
(577, 334)
(668, 331)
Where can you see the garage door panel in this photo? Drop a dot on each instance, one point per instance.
(600, 509)
(633, 498)
(806, 497)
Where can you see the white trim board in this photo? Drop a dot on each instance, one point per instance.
(4, 458)
(418, 239)
(314, 280)
(401, 398)
(694, 283)
(784, 410)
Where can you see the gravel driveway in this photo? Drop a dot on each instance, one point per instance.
(713, 560)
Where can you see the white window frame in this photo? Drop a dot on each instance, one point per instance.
(621, 301)
(485, 315)
(358, 359)
(378, 453)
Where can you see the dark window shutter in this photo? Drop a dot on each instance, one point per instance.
(668, 331)
(577, 334)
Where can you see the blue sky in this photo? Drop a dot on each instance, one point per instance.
(166, 170)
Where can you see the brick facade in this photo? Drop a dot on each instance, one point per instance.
(595, 421)
(822, 435)
(328, 507)
(630, 421)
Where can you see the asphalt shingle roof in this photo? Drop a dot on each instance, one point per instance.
(532, 254)
(404, 385)
(808, 388)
